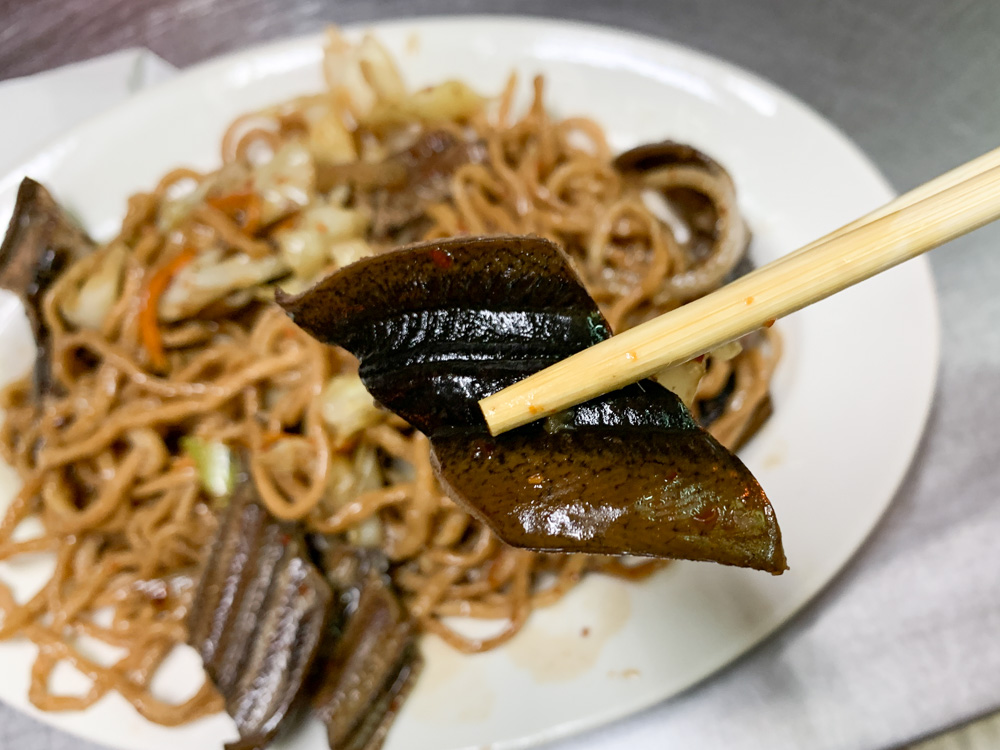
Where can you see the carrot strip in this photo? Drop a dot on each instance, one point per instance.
(149, 328)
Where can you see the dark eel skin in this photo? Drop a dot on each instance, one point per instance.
(440, 325)
(370, 668)
(42, 240)
(258, 618)
(285, 625)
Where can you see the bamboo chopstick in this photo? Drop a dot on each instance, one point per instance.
(941, 210)
(953, 177)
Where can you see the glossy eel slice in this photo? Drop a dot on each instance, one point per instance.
(374, 661)
(438, 326)
(286, 624)
(258, 618)
(42, 240)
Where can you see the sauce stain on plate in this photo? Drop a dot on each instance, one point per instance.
(624, 674)
(559, 650)
(775, 456)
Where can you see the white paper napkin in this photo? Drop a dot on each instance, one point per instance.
(38, 108)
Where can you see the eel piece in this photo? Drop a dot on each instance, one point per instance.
(374, 662)
(440, 325)
(42, 240)
(258, 618)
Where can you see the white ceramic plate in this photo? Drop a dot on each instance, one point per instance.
(610, 648)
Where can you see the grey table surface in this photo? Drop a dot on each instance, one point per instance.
(914, 82)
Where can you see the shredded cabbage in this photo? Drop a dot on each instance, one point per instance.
(88, 305)
(330, 140)
(350, 251)
(683, 379)
(368, 533)
(448, 101)
(210, 278)
(232, 177)
(308, 247)
(214, 463)
(286, 182)
(348, 407)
